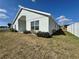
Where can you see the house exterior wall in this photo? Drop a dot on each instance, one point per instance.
(46, 23)
(43, 24)
(30, 16)
(15, 25)
(53, 27)
(74, 29)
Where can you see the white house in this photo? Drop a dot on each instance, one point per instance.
(33, 20)
(74, 29)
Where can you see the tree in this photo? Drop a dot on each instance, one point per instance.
(9, 25)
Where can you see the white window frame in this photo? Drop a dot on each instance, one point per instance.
(34, 25)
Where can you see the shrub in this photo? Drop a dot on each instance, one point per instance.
(13, 30)
(53, 30)
(43, 34)
(26, 32)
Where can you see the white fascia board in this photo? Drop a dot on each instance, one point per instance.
(16, 16)
(36, 11)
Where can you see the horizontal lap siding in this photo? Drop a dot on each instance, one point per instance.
(53, 26)
(43, 23)
(15, 24)
(31, 16)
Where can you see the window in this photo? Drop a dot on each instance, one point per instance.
(35, 25)
(32, 25)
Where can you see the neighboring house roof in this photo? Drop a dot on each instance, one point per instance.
(31, 10)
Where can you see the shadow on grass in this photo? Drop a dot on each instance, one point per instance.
(59, 32)
(3, 31)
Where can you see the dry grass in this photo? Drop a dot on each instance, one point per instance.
(23, 46)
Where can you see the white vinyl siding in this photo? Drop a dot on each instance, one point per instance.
(74, 29)
(44, 25)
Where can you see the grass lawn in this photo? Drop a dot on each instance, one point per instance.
(25, 46)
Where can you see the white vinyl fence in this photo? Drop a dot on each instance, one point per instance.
(74, 29)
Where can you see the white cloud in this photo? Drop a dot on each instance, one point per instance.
(63, 20)
(20, 6)
(3, 16)
(3, 10)
(60, 17)
(33, 0)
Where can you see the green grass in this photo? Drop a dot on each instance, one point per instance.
(22, 46)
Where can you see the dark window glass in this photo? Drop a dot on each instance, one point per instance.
(36, 27)
(36, 23)
(32, 27)
(32, 23)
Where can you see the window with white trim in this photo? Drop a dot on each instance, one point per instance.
(35, 25)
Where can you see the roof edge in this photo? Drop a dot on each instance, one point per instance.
(21, 8)
(17, 15)
(36, 10)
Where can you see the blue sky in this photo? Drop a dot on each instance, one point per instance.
(62, 10)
